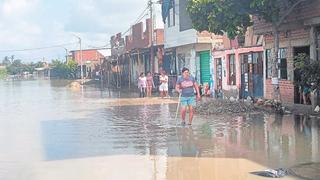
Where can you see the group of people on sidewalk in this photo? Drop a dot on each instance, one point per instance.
(146, 84)
(186, 86)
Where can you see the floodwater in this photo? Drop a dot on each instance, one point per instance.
(49, 131)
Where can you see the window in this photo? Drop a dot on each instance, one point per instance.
(282, 60)
(185, 22)
(257, 63)
(282, 63)
(232, 70)
(268, 64)
(172, 16)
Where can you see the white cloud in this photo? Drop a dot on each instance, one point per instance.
(17, 7)
(37, 23)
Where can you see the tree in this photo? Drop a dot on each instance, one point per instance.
(3, 73)
(6, 61)
(72, 68)
(308, 72)
(232, 17)
(63, 70)
(229, 17)
(16, 67)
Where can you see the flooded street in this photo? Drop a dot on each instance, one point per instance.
(49, 131)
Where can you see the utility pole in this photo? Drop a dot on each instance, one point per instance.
(150, 3)
(81, 64)
(81, 70)
(66, 54)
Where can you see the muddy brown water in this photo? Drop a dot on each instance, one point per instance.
(51, 131)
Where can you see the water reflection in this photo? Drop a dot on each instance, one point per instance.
(43, 121)
(144, 130)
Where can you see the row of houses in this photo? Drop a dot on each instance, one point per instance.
(243, 67)
(238, 68)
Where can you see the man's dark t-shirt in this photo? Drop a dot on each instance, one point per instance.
(186, 85)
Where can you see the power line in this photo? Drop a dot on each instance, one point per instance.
(38, 48)
(139, 18)
(143, 14)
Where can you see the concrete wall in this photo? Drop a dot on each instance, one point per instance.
(173, 37)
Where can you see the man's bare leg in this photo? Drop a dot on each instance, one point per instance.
(190, 114)
(183, 113)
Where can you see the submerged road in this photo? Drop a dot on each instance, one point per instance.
(49, 131)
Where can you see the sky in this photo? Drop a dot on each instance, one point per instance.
(28, 24)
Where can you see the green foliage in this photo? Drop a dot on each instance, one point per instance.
(3, 73)
(234, 16)
(16, 67)
(308, 72)
(63, 70)
(220, 16)
(72, 67)
(269, 10)
(6, 61)
(39, 64)
(59, 69)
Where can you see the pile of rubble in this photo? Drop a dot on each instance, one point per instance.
(216, 106)
(234, 106)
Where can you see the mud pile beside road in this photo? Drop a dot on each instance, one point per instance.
(215, 106)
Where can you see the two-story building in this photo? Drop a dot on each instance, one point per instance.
(90, 59)
(184, 46)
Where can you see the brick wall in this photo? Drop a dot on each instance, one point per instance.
(139, 38)
(159, 36)
(303, 12)
(286, 91)
(294, 35)
(87, 55)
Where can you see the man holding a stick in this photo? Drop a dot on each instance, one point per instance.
(186, 84)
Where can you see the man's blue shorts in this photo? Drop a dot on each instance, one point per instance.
(188, 101)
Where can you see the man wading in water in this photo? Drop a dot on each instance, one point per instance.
(185, 86)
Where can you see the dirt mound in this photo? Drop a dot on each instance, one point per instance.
(225, 107)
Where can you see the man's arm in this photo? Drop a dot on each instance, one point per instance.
(197, 89)
(178, 88)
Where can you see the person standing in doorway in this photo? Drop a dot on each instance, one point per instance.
(150, 84)
(186, 85)
(163, 88)
(142, 84)
(307, 95)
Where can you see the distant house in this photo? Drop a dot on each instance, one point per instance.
(43, 72)
(90, 59)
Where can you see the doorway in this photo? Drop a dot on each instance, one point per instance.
(251, 75)
(298, 91)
